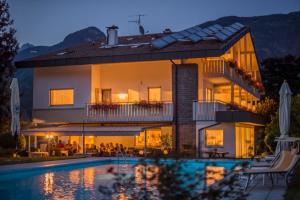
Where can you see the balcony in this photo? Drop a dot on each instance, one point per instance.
(218, 68)
(223, 112)
(206, 110)
(130, 112)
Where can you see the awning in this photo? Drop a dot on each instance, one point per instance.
(86, 130)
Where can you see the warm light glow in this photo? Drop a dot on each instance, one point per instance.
(214, 137)
(244, 139)
(154, 94)
(48, 183)
(48, 136)
(153, 138)
(214, 174)
(123, 96)
(60, 97)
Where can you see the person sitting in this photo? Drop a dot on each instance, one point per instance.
(60, 145)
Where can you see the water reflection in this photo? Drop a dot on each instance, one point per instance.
(214, 174)
(48, 183)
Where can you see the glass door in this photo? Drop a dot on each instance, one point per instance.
(106, 95)
(244, 140)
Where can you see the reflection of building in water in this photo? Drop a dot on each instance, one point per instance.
(74, 176)
(48, 183)
(88, 175)
(214, 174)
(149, 172)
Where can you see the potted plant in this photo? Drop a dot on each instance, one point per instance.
(105, 106)
(149, 105)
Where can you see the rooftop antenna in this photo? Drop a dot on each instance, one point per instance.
(139, 23)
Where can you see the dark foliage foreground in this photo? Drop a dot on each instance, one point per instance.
(170, 180)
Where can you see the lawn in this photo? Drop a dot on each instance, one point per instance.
(20, 160)
(293, 191)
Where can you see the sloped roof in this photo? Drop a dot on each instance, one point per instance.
(135, 48)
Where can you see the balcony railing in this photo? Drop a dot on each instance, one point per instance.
(130, 112)
(220, 67)
(206, 110)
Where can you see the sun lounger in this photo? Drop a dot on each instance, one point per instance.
(285, 166)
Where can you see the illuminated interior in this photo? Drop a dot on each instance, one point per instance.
(244, 140)
(60, 97)
(156, 138)
(154, 94)
(214, 137)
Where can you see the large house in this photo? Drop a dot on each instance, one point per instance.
(196, 89)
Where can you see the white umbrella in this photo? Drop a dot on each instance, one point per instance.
(15, 107)
(284, 109)
(284, 116)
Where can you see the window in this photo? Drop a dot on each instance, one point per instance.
(214, 137)
(61, 97)
(106, 95)
(154, 94)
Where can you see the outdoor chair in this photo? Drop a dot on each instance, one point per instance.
(285, 166)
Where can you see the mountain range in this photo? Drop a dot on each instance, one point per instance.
(273, 35)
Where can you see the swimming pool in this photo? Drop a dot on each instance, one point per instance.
(80, 181)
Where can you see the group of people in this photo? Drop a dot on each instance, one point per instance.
(108, 149)
(57, 148)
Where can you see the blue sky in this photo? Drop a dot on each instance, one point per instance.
(46, 22)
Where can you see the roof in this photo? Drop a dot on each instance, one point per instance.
(143, 48)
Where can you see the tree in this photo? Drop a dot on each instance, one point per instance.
(8, 50)
(276, 70)
(272, 128)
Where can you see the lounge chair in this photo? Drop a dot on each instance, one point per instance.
(285, 166)
(269, 163)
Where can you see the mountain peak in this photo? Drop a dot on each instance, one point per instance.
(84, 35)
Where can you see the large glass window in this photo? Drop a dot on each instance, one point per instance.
(154, 94)
(244, 139)
(61, 97)
(214, 137)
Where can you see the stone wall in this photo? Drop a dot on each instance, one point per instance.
(185, 87)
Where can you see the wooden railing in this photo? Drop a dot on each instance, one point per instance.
(130, 112)
(220, 67)
(206, 110)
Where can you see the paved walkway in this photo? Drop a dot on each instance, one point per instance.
(258, 191)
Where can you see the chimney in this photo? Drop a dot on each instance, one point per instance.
(112, 35)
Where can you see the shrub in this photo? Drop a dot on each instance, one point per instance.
(7, 141)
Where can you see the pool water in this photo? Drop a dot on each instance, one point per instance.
(78, 181)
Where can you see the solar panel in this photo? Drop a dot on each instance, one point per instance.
(201, 33)
(226, 32)
(195, 38)
(191, 30)
(159, 43)
(239, 24)
(217, 26)
(197, 28)
(221, 36)
(235, 27)
(232, 30)
(168, 39)
(209, 32)
(177, 36)
(185, 33)
(212, 28)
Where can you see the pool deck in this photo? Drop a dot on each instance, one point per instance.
(256, 190)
